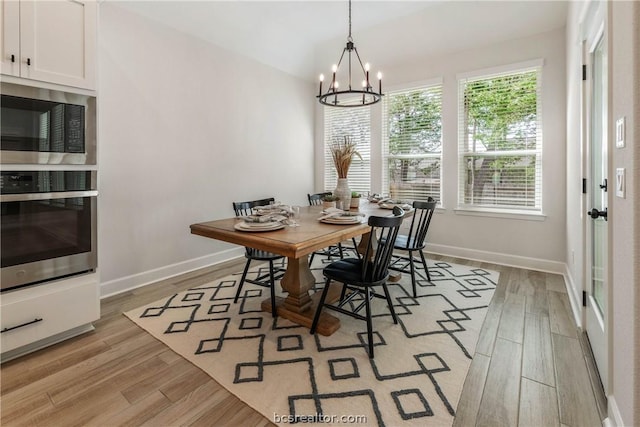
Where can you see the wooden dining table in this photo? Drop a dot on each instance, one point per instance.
(296, 243)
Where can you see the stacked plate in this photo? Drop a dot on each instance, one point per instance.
(342, 219)
(258, 226)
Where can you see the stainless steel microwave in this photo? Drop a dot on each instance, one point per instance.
(43, 126)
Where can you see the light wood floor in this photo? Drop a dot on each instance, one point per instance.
(529, 368)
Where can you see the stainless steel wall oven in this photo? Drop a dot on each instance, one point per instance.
(48, 225)
(42, 126)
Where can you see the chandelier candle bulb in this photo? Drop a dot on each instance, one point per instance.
(321, 80)
(333, 82)
(366, 69)
(380, 82)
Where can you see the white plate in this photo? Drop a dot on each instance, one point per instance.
(345, 220)
(269, 226)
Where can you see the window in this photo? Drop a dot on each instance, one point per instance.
(412, 143)
(500, 141)
(355, 123)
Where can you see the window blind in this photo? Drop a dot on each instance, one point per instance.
(412, 143)
(500, 141)
(356, 124)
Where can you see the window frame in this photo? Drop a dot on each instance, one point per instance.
(329, 175)
(384, 137)
(502, 211)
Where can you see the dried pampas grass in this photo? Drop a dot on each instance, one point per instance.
(342, 152)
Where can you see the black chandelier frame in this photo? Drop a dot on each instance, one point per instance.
(351, 97)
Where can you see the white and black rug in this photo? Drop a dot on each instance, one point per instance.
(288, 375)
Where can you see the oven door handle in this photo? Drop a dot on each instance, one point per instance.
(29, 197)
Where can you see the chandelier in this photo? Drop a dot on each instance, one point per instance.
(350, 96)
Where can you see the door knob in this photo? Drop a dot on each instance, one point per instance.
(595, 213)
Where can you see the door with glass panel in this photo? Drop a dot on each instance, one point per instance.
(597, 195)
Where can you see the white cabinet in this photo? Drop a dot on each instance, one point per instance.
(41, 315)
(50, 41)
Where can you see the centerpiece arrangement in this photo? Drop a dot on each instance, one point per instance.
(342, 152)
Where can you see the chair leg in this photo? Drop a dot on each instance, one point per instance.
(424, 262)
(355, 247)
(344, 292)
(369, 325)
(244, 276)
(316, 317)
(311, 258)
(390, 303)
(413, 274)
(274, 310)
(340, 251)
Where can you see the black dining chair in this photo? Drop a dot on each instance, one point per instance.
(333, 250)
(361, 275)
(414, 241)
(266, 280)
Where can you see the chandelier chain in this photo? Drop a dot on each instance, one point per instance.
(350, 38)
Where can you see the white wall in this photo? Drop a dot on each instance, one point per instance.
(625, 316)
(623, 33)
(529, 243)
(185, 128)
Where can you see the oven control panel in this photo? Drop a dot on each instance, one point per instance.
(24, 182)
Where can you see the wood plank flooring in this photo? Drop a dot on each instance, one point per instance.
(529, 368)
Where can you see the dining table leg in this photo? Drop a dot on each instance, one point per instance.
(298, 281)
(299, 306)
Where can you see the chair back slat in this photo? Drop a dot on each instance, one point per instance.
(420, 223)
(244, 208)
(316, 199)
(377, 268)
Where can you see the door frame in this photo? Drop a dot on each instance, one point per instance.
(595, 26)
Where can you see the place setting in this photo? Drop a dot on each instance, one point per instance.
(386, 202)
(269, 218)
(340, 217)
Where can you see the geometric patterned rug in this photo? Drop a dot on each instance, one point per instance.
(287, 374)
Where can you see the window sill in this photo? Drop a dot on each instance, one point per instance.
(501, 213)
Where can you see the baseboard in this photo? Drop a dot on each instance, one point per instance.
(128, 283)
(574, 296)
(614, 418)
(498, 258)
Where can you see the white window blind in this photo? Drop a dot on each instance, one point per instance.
(412, 143)
(356, 124)
(500, 141)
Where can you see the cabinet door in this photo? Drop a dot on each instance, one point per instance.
(10, 37)
(58, 41)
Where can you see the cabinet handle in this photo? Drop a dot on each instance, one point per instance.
(13, 58)
(28, 61)
(36, 320)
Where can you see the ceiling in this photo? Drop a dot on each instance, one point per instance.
(298, 37)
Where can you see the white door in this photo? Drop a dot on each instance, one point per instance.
(597, 196)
